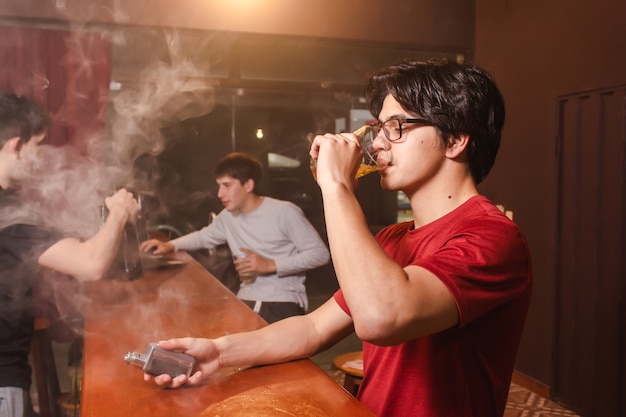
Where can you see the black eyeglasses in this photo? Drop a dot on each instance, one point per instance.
(392, 128)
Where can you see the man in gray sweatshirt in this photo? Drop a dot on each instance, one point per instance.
(271, 240)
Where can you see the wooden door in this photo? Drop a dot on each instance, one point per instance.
(590, 348)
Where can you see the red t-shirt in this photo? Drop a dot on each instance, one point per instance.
(483, 259)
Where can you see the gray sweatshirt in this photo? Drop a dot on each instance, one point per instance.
(276, 230)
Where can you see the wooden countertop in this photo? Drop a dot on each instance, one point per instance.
(188, 301)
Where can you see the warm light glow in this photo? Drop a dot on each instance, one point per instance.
(243, 3)
(240, 6)
(259, 133)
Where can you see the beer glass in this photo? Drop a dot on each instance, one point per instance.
(365, 136)
(244, 277)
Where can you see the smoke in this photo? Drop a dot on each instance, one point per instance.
(59, 188)
(169, 90)
(165, 94)
(64, 187)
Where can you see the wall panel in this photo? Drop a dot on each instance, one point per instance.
(589, 344)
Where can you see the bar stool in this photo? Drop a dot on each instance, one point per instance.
(45, 371)
(351, 364)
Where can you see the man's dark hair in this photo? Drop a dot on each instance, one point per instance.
(13, 119)
(241, 166)
(457, 98)
(38, 119)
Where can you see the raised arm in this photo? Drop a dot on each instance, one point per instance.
(389, 304)
(89, 260)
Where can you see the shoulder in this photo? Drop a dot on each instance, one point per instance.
(481, 213)
(271, 203)
(22, 238)
(26, 231)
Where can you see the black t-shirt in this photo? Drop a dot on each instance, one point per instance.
(20, 247)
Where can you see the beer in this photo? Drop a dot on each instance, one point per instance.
(366, 169)
(365, 135)
(363, 170)
(246, 278)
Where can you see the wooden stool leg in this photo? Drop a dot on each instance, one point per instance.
(350, 384)
(45, 374)
(352, 366)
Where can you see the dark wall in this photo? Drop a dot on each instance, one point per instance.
(539, 51)
(434, 23)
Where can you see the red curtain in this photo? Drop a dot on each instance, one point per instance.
(66, 73)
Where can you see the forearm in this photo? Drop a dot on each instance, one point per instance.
(289, 339)
(283, 341)
(192, 241)
(103, 247)
(306, 260)
(372, 282)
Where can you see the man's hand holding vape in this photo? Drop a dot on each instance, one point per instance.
(204, 351)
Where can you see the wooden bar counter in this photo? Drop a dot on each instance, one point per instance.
(189, 301)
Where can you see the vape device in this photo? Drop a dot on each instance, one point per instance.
(157, 361)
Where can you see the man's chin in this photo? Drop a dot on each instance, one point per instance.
(385, 185)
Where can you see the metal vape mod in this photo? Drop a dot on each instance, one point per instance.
(157, 361)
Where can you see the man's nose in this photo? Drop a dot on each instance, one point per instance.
(381, 142)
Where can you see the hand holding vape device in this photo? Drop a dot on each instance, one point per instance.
(159, 361)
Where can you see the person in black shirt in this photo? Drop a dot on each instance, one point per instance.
(27, 246)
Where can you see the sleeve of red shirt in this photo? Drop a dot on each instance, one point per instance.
(482, 270)
(338, 296)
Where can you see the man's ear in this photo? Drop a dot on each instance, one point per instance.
(13, 146)
(457, 145)
(249, 185)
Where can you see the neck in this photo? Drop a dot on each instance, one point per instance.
(5, 182)
(435, 201)
(252, 203)
(7, 166)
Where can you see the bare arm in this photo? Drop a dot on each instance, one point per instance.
(389, 304)
(289, 339)
(89, 260)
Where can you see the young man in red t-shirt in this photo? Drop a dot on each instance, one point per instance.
(440, 301)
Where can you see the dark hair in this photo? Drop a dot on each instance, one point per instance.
(241, 166)
(21, 117)
(457, 98)
(38, 119)
(13, 119)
